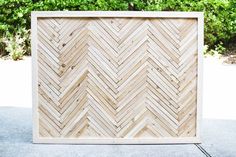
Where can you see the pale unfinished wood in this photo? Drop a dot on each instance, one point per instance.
(104, 78)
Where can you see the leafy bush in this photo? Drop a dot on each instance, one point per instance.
(219, 15)
(17, 45)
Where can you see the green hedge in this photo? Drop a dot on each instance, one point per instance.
(220, 15)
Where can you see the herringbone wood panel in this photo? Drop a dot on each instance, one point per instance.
(117, 77)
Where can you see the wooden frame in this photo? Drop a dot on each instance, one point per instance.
(48, 14)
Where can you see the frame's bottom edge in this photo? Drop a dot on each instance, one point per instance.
(180, 140)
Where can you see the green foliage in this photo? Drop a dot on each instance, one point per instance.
(218, 50)
(219, 15)
(17, 45)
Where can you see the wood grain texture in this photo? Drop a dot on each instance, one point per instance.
(120, 78)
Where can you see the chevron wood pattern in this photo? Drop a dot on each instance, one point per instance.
(119, 78)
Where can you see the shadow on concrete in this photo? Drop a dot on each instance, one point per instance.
(15, 125)
(218, 136)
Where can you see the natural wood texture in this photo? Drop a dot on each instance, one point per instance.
(120, 78)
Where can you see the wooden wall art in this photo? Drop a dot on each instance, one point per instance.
(117, 77)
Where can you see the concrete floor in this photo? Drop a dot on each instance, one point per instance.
(218, 129)
(218, 140)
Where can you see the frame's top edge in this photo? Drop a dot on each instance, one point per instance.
(174, 14)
